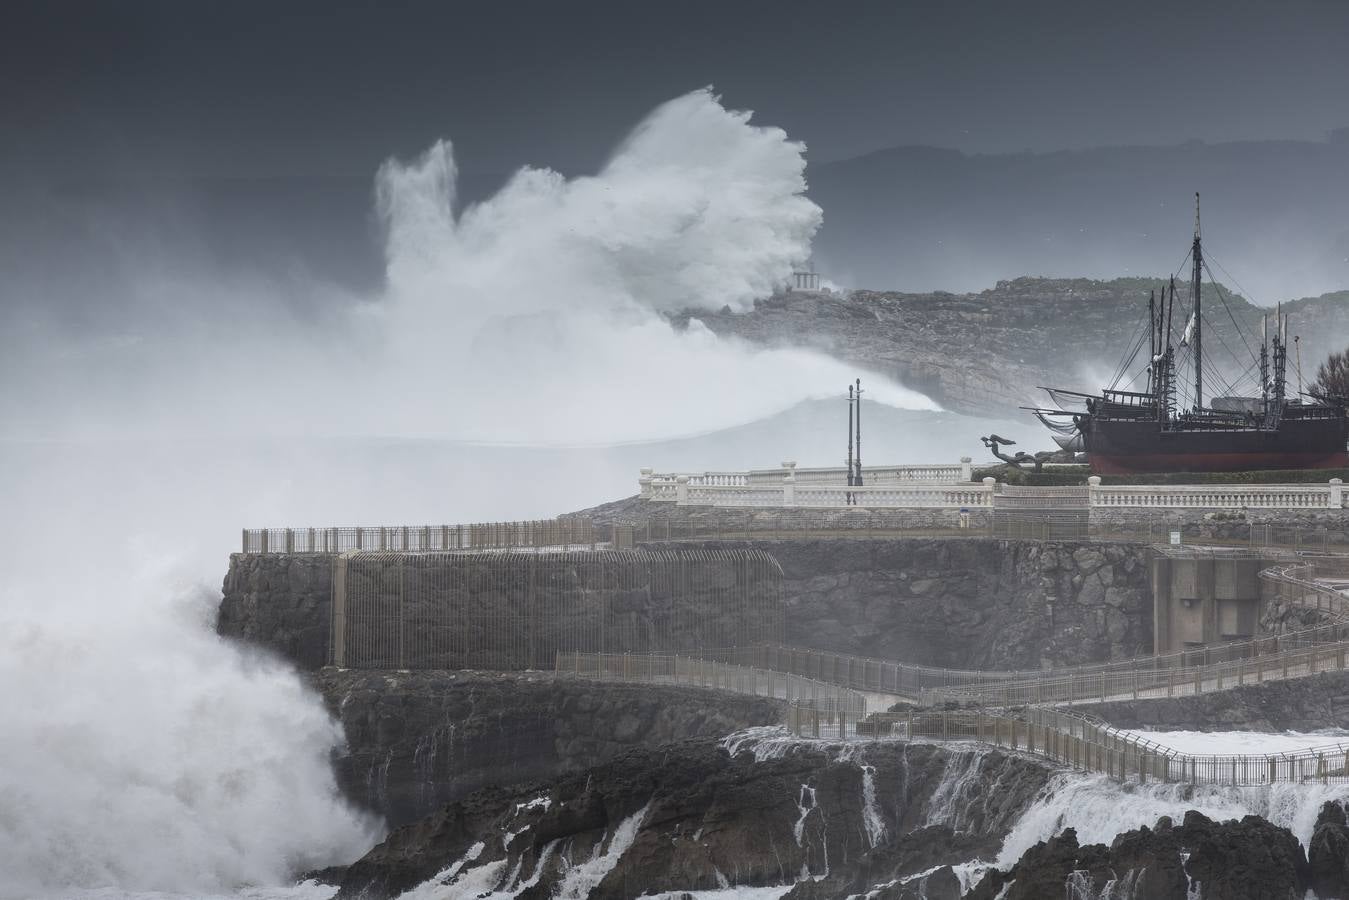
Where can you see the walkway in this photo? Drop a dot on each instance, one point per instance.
(830, 694)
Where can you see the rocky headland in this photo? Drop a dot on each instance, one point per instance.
(534, 784)
(987, 352)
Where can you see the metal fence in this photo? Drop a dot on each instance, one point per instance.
(1077, 742)
(508, 610)
(665, 668)
(581, 533)
(561, 534)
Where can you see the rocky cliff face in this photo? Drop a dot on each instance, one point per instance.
(980, 604)
(418, 740)
(987, 353)
(754, 811)
(281, 603)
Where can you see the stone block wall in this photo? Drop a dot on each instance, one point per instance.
(975, 603)
(969, 603)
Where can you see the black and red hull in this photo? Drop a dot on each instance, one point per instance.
(1118, 446)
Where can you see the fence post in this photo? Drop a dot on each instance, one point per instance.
(681, 489)
(265, 535)
(243, 547)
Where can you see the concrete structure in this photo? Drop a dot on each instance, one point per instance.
(1206, 596)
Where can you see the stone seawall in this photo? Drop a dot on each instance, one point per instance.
(1230, 525)
(970, 603)
(656, 519)
(973, 603)
(731, 522)
(418, 740)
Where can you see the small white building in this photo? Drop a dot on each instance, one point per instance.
(805, 282)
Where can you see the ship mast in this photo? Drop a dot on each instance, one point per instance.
(1198, 255)
(1152, 341)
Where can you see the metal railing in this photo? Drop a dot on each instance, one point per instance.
(1214, 667)
(1077, 742)
(669, 668)
(560, 534)
(1167, 675)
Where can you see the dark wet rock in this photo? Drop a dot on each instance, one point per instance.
(691, 817)
(1328, 853)
(1249, 859)
(280, 603)
(418, 740)
(331, 876)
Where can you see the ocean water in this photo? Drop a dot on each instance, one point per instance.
(1221, 743)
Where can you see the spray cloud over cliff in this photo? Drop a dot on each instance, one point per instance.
(143, 753)
(550, 293)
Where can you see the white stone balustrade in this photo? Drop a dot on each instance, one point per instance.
(941, 487)
(766, 487)
(1217, 496)
(790, 492)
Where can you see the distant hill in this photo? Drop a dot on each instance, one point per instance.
(1276, 215)
(986, 353)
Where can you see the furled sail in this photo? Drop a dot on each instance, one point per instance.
(1073, 443)
(1189, 332)
(1056, 427)
(1067, 400)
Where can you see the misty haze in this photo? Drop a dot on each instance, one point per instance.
(602, 451)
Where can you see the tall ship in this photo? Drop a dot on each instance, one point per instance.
(1131, 431)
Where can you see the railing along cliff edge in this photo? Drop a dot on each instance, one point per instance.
(561, 534)
(1024, 718)
(1080, 743)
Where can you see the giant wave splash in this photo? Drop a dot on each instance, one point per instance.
(146, 755)
(554, 291)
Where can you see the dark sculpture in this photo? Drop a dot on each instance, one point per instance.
(993, 441)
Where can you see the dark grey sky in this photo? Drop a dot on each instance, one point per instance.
(282, 88)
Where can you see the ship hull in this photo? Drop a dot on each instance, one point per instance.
(1117, 447)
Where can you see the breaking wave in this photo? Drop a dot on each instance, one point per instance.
(553, 292)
